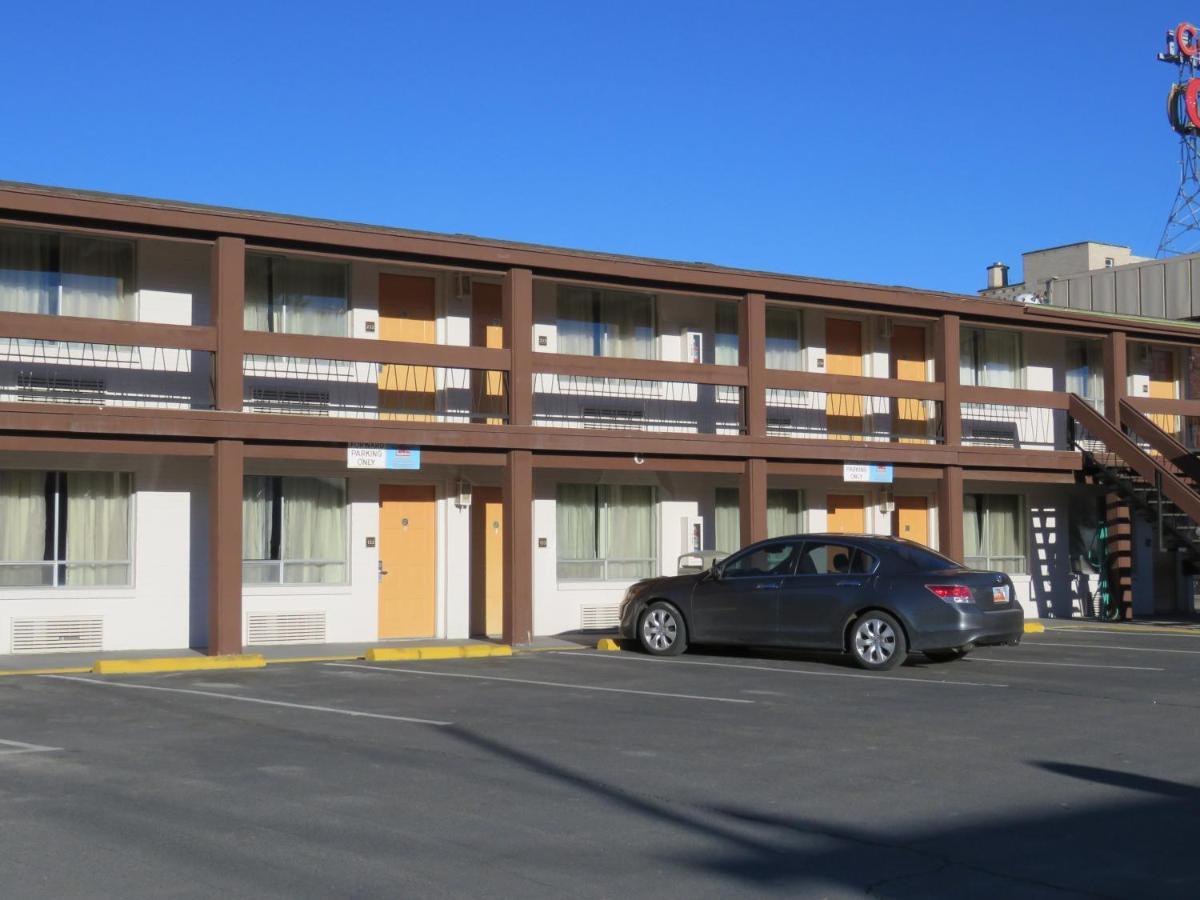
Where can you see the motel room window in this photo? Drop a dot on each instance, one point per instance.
(725, 334)
(65, 529)
(785, 512)
(296, 296)
(605, 323)
(994, 533)
(66, 275)
(293, 530)
(727, 520)
(1085, 371)
(606, 532)
(785, 338)
(990, 358)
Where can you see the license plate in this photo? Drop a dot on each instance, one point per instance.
(1000, 594)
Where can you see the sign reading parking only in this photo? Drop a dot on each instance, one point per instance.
(866, 472)
(374, 456)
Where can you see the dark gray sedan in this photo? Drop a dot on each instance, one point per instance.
(875, 598)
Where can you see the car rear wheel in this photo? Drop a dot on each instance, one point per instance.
(945, 656)
(877, 642)
(662, 631)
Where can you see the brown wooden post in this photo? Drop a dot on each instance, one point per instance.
(1117, 513)
(946, 352)
(517, 318)
(517, 499)
(752, 356)
(225, 548)
(228, 305)
(752, 499)
(1116, 375)
(950, 513)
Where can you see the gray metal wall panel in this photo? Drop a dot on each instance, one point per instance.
(1081, 293)
(1153, 296)
(1179, 296)
(1128, 293)
(1195, 267)
(1060, 293)
(1104, 289)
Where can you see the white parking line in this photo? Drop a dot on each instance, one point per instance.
(628, 657)
(22, 747)
(1109, 647)
(557, 684)
(1084, 631)
(325, 709)
(1065, 665)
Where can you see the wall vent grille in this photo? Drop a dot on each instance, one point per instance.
(33, 388)
(290, 402)
(57, 634)
(285, 628)
(591, 617)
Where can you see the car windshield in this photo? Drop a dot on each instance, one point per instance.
(922, 558)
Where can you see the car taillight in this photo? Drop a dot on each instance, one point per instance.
(951, 593)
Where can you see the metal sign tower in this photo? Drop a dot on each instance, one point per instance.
(1182, 231)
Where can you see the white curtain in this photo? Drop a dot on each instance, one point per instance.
(576, 321)
(314, 296)
(295, 295)
(727, 527)
(967, 363)
(257, 501)
(97, 278)
(26, 283)
(725, 341)
(314, 530)
(783, 339)
(1006, 542)
(576, 515)
(23, 519)
(783, 513)
(257, 314)
(630, 531)
(1085, 373)
(975, 554)
(98, 528)
(628, 323)
(1001, 359)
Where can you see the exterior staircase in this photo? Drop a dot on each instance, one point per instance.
(1148, 468)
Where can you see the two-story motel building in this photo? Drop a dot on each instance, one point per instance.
(179, 386)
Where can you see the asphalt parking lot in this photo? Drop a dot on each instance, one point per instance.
(1065, 766)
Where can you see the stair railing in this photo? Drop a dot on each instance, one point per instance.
(1165, 443)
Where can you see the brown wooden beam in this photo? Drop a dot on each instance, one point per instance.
(516, 310)
(628, 463)
(225, 548)
(950, 513)
(38, 444)
(752, 354)
(946, 351)
(34, 327)
(1146, 405)
(853, 384)
(837, 470)
(752, 501)
(228, 311)
(1116, 374)
(1014, 397)
(517, 498)
(1020, 476)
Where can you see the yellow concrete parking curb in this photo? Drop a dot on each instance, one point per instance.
(1034, 627)
(607, 644)
(177, 664)
(469, 651)
(70, 670)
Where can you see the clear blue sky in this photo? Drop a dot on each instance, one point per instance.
(904, 143)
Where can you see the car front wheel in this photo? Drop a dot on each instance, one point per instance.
(877, 642)
(662, 631)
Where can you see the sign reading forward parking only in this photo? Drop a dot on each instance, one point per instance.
(867, 473)
(373, 456)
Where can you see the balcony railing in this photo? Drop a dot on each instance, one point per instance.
(629, 404)
(818, 415)
(104, 374)
(353, 389)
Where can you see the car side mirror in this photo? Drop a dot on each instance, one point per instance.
(715, 572)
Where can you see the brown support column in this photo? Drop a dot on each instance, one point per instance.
(945, 361)
(1116, 374)
(950, 513)
(517, 499)
(752, 498)
(225, 548)
(1118, 515)
(752, 356)
(517, 318)
(228, 285)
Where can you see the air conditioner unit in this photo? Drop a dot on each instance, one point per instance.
(885, 327)
(693, 346)
(693, 534)
(462, 286)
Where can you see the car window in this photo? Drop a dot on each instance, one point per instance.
(863, 563)
(825, 559)
(922, 558)
(769, 559)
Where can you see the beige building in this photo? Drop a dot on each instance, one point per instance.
(1044, 270)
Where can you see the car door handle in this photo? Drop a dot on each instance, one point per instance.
(849, 584)
(763, 586)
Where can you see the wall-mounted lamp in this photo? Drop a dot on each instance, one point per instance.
(463, 499)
